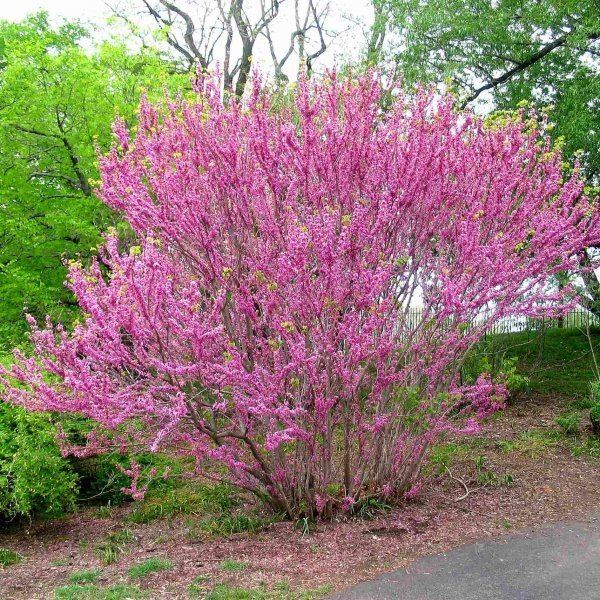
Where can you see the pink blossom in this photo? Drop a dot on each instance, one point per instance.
(262, 319)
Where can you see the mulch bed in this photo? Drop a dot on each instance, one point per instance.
(548, 487)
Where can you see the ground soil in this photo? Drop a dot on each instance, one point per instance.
(550, 484)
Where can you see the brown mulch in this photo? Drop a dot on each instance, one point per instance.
(549, 486)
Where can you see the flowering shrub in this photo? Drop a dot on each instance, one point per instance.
(261, 325)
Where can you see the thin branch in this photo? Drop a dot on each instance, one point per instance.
(467, 493)
(188, 36)
(171, 40)
(323, 46)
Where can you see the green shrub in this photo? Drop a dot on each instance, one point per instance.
(35, 480)
(104, 512)
(485, 358)
(569, 423)
(595, 418)
(515, 382)
(101, 477)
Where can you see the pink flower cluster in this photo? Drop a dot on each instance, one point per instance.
(260, 323)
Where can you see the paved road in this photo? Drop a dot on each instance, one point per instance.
(561, 562)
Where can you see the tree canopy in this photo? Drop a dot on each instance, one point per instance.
(57, 105)
(504, 52)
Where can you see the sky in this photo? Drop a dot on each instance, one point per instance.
(349, 18)
(82, 9)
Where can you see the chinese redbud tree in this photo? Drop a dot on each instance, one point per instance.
(260, 323)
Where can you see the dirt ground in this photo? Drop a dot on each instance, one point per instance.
(535, 480)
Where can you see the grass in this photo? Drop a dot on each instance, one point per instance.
(152, 565)
(104, 512)
(582, 403)
(443, 455)
(110, 549)
(485, 476)
(59, 562)
(185, 498)
(215, 504)
(94, 592)
(558, 362)
(197, 587)
(233, 565)
(589, 447)
(90, 576)
(224, 525)
(536, 442)
(9, 557)
(533, 442)
(569, 423)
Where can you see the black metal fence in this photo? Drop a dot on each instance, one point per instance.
(576, 319)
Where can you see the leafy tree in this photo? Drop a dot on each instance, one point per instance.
(505, 52)
(57, 105)
(263, 322)
(34, 478)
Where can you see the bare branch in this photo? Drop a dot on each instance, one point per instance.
(171, 40)
(226, 25)
(188, 36)
(318, 19)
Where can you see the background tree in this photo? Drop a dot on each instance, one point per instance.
(229, 31)
(57, 105)
(506, 52)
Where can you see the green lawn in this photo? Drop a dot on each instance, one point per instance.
(560, 361)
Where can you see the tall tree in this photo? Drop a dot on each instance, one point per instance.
(503, 52)
(228, 32)
(57, 105)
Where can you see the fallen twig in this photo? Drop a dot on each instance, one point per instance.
(467, 493)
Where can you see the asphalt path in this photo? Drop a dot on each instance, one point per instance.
(559, 562)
